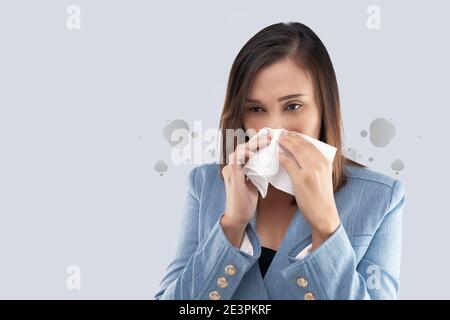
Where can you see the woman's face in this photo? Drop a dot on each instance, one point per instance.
(282, 96)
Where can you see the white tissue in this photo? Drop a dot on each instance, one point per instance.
(264, 167)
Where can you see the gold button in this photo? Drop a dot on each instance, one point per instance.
(309, 296)
(302, 282)
(230, 269)
(214, 295)
(222, 282)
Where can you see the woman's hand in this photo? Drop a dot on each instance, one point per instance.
(241, 193)
(311, 174)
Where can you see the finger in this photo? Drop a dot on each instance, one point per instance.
(311, 150)
(243, 148)
(240, 156)
(246, 150)
(290, 165)
(259, 142)
(297, 150)
(299, 138)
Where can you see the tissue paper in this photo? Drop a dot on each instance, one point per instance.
(264, 166)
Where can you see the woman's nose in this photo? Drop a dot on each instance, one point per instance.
(276, 122)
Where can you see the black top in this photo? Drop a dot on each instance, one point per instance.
(265, 259)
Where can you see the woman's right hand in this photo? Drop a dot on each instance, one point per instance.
(241, 193)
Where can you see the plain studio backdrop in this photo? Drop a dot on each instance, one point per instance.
(90, 201)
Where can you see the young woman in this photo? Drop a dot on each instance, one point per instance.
(338, 237)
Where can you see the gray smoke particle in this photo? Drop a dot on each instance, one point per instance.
(182, 130)
(381, 132)
(397, 165)
(161, 167)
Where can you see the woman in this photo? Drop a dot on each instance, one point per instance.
(338, 237)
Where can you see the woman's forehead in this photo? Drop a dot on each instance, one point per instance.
(281, 78)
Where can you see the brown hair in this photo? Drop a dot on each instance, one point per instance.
(271, 44)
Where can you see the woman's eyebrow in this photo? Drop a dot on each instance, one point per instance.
(291, 96)
(295, 95)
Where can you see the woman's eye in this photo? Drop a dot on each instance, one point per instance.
(294, 106)
(255, 109)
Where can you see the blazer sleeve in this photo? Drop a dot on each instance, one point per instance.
(331, 271)
(211, 268)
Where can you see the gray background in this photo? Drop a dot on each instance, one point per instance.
(82, 114)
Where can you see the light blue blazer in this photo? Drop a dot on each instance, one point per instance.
(360, 260)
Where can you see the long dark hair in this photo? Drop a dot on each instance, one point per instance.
(271, 44)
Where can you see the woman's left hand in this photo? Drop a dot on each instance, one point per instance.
(311, 174)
